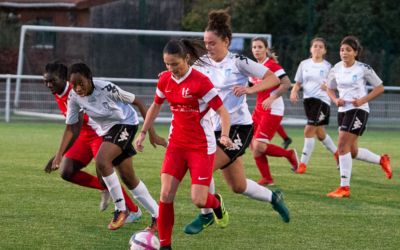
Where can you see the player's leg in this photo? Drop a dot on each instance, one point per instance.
(308, 147)
(328, 143)
(286, 139)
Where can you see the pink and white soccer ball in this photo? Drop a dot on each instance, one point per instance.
(144, 240)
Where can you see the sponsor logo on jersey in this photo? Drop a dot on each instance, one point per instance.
(357, 124)
(110, 88)
(123, 136)
(185, 93)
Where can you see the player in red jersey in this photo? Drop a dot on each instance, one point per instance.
(268, 114)
(192, 143)
(85, 147)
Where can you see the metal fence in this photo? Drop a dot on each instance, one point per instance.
(36, 103)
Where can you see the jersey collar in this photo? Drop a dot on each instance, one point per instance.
(65, 90)
(183, 77)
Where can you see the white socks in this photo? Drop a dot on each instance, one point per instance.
(142, 195)
(346, 164)
(257, 192)
(211, 190)
(329, 144)
(308, 148)
(114, 187)
(366, 155)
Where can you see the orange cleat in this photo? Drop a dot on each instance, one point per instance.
(385, 165)
(265, 182)
(336, 156)
(118, 220)
(293, 159)
(341, 192)
(301, 169)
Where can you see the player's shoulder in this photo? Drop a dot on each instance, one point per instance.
(271, 63)
(198, 75)
(326, 63)
(363, 66)
(162, 76)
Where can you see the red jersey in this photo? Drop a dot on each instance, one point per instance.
(190, 99)
(278, 71)
(62, 105)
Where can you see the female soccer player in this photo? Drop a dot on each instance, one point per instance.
(311, 75)
(86, 145)
(349, 77)
(227, 70)
(268, 113)
(192, 143)
(117, 122)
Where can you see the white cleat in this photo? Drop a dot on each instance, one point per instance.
(105, 199)
(134, 216)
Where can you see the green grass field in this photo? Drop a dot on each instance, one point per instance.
(41, 211)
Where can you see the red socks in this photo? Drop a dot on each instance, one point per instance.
(165, 222)
(274, 150)
(282, 133)
(211, 202)
(87, 180)
(263, 166)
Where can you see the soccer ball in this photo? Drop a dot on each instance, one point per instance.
(144, 240)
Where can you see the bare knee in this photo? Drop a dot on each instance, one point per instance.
(238, 188)
(199, 202)
(167, 196)
(259, 148)
(66, 174)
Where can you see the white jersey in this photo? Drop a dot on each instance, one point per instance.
(311, 76)
(107, 106)
(233, 70)
(351, 83)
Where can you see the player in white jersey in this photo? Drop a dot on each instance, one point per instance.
(109, 107)
(350, 77)
(192, 144)
(311, 75)
(227, 70)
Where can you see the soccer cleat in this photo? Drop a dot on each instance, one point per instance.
(385, 165)
(166, 247)
(265, 182)
(118, 220)
(279, 205)
(336, 156)
(201, 222)
(293, 159)
(153, 225)
(224, 220)
(105, 199)
(286, 142)
(301, 169)
(340, 192)
(134, 216)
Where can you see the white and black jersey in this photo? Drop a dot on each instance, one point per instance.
(311, 75)
(107, 106)
(351, 83)
(233, 70)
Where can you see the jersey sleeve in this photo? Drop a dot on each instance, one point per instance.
(276, 68)
(72, 110)
(331, 80)
(159, 97)
(299, 74)
(251, 68)
(119, 94)
(371, 77)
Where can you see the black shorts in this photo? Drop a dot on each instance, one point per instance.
(353, 121)
(122, 135)
(317, 111)
(241, 136)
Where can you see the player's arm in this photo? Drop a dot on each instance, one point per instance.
(268, 81)
(217, 105)
(371, 95)
(283, 88)
(151, 115)
(153, 137)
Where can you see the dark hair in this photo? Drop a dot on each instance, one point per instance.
(354, 43)
(183, 47)
(219, 22)
(82, 69)
(265, 42)
(58, 69)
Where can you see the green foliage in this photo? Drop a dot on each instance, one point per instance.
(10, 28)
(41, 211)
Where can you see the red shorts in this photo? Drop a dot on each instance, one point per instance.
(85, 148)
(200, 164)
(265, 125)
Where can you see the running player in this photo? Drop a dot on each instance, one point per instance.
(311, 75)
(192, 143)
(349, 77)
(227, 70)
(108, 106)
(268, 113)
(84, 148)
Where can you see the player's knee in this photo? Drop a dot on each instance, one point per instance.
(199, 202)
(260, 147)
(166, 196)
(66, 174)
(238, 189)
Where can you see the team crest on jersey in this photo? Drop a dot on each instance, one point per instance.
(185, 93)
(354, 78)
(321, 73)
(106, 106)
(227, 72)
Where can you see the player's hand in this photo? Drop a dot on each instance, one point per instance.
(339, 102)
(357, 102)
(239, 90)
(56, 162)
(267, 103)
(294, 98)
(157, 140)
(226, 141)
(139, 142)
(324, 86)
(48, 168)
